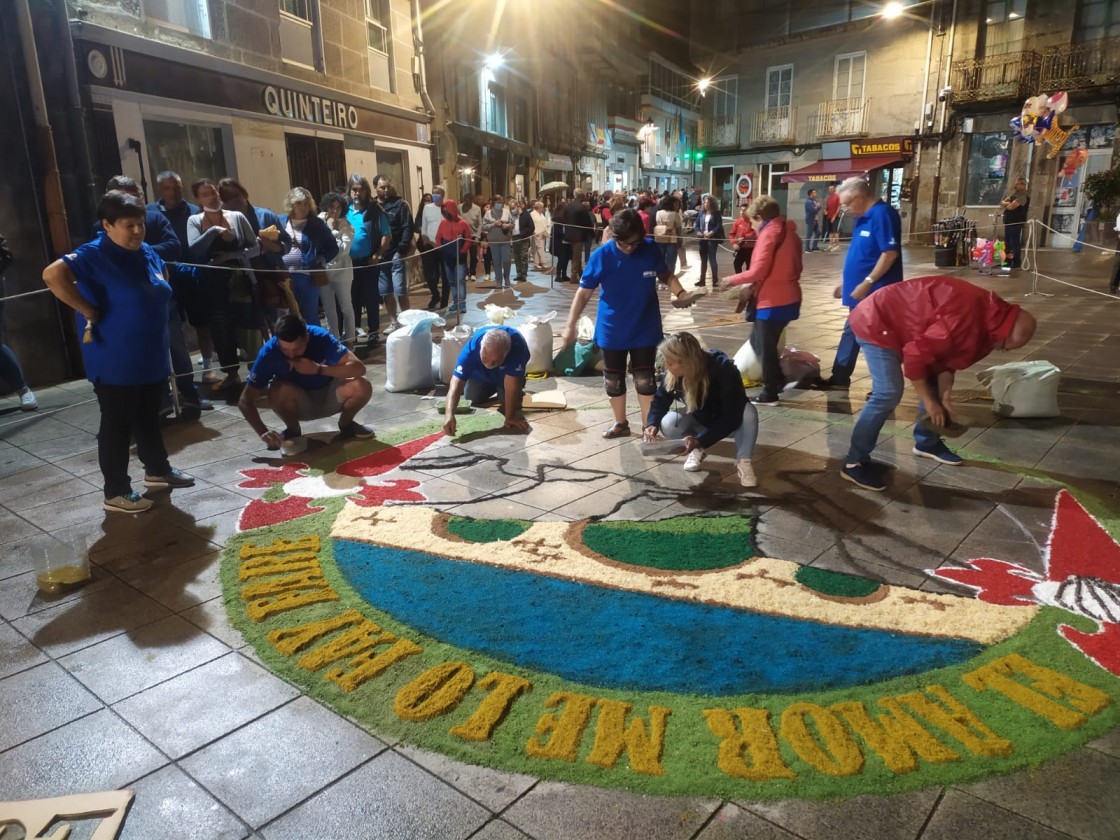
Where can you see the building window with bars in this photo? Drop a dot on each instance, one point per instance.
(191, 16)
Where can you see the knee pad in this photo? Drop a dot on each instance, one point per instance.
(614, 382)
(644, 383)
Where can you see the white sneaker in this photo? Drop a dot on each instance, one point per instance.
(694, 459)
(294, 446)
(27, 401)
(393, 325)
(746, 473)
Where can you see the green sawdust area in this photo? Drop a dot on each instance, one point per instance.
(690, 752)
(836, 583)
(487, 530)
(713, 542)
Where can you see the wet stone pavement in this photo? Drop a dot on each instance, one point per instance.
(138, 679)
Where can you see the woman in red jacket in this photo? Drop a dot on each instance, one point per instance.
(773, 280)
(453, 242)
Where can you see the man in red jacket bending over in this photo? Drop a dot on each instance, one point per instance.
(924, 330)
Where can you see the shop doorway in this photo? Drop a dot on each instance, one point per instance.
(316, 164)
(722, 176)
(1070, 203)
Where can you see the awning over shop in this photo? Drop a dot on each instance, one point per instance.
(838, 170)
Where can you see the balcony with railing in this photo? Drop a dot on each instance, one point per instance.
(1080, 66)
(839, 118)
(774, 126)
(1012, 76)
(720, 132)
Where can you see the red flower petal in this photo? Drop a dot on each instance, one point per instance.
(997, 582)
(1103, 647)
(259, 513)
(396, 490)
(1078, 545)
(386, 459)
(267, 476)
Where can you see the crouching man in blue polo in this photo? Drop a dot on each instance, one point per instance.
(308, 374)
(491, 364)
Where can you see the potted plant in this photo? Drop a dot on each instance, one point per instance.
(1103, 189)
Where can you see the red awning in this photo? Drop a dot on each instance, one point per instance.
(838, 170)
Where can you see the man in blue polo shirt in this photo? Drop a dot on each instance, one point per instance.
(874, 260)
(492, 363)
(308, 374)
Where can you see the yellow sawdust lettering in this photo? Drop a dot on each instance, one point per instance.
(362, 638)
(951, 715)
(302, 545)
(368, 665)
(435, 692)
(311, 579)
(263, 608)
(612, 736)
(566, 728)
(826, 744)
(270, 565)
(1045, 687)
(504, 690)
(751, 737)
(291, 640)
(895, 737)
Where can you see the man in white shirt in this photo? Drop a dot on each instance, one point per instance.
(430, 218)
(542, 226)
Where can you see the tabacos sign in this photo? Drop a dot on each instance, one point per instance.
(306, 107)
(903, 146)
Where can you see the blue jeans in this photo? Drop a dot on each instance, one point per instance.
(392, 277)
(307, 297)
(455, 271)
(669, 252)
(846, 354)
(180, 355)
(499, 253)
(887, 385)
(675, 426)
(812, 235)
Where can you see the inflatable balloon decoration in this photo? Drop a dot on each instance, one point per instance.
(1039, 121)
(1074, 161)
(989, 252)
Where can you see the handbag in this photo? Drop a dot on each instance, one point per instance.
(320, 277)
(661, 234)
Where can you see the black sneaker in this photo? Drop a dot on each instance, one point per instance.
(765, 398)
(356, 431)
(190, 411)
(175, 478)
(865, 476)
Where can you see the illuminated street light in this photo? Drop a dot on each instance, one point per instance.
(893, 10)
(494, 61)
(703, 85)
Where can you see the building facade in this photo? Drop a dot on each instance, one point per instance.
(807, 93)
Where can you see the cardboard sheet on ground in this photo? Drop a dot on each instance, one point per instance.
(545, 400)
(464, 406)
(660, 448)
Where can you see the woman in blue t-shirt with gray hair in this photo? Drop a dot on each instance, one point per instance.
(117, 286)
(626, 271)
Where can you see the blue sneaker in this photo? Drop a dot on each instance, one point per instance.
(865, 476)
(940, 453)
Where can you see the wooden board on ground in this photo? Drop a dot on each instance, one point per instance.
(544, 400)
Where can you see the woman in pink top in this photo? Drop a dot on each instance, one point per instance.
(773, 281)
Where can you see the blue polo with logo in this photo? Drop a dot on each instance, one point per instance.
(271, 363)
(128, 289)
(876, 231)
(629, 314)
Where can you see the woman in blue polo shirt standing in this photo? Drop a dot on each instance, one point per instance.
(626, 271)
(117, 285)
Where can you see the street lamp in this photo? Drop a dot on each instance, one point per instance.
(703, 85)
(893, 10)
(494, 61)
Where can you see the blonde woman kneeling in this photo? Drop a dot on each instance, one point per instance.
(709, 385)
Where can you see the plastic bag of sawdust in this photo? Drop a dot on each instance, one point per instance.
(1023, 389)
(581, 357)
(498, 314)
(538, 335)
(746, 360)
(799, 367)
(450, 347)
(408, 352)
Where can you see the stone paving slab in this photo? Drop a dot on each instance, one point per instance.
(217, 747)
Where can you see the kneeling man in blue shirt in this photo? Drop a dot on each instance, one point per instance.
(308, 374)
(492, 363)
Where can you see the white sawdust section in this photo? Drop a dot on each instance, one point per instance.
(761, 584)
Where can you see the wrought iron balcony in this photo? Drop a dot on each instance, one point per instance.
(1079, 66)
(1011, 76)
(842, 118)
(774, 126)
(720, 132)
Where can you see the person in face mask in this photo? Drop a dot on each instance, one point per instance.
(430, 217)
(497, 225)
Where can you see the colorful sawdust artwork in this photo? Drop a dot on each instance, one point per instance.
(664, 656)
